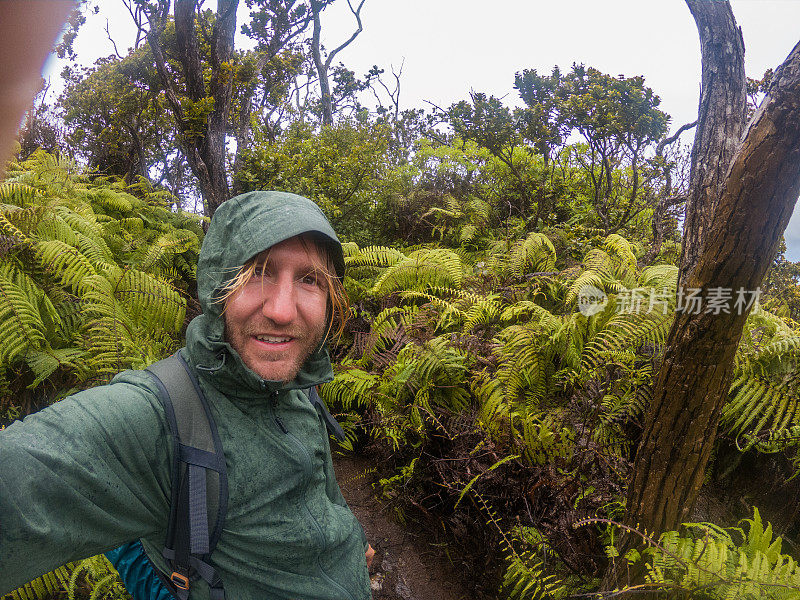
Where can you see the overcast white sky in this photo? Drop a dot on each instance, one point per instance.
(449, 47)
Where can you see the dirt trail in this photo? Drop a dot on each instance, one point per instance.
(406, 566)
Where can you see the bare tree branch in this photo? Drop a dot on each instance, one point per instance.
(113, 43)
(671, 139)
(317, 6)
(357, 14)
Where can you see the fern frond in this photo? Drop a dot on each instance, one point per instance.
(44, 587)
(81, 219)
(621, 251)
(17, 193)
(534, 571)
(101, 577)
(22, 328)
(451, 315)
(627, 330)
(435, 368)
(499, 257)
(468, 234)
(421, 270)
(56, 228)
(349, 389)
(11, 218)
(536, 253)
(44, 363)
(479, 209)
(66, 263)
(484, 312)
(527, 310)
(109, 200)
(493, 405)
(706, 559)
(150, 301)
(763, 403)
(387, 331)
(439, 211)
(373, 256)
(659, 277)
(167, 245)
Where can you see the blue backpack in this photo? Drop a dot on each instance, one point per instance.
(199, 498)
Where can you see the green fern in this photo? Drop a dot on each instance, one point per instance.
(534, 253)
(708, 560)
(388, 332)
(421, 270)
(763, 408)
(483, 313)
(624, 257)
(534, 570)
(494, 409)
(44, 587)
(352, 387)
(95, 279)
(23, 328)
(452, 314)
(371, 256)
(101, 577)
(17, 193)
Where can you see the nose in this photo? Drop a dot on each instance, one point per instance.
(280, 303)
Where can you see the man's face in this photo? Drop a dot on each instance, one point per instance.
(279, 317)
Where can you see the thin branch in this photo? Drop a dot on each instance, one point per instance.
(667, 141)
(357, 14)
(113, 43)
(137, 16)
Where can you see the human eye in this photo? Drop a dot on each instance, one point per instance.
(310, 279)
(261, 274)
(314, 279)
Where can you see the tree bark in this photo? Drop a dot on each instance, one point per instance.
(757, 198)
(323, 66)
(213, 147)
(721, 121)
(205, 149)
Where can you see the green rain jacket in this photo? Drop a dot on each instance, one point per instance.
(93, 471)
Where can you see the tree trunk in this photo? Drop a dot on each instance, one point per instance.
(721, 121)
(213, 148)
(755, 203)
(202, 144)
(322, 66)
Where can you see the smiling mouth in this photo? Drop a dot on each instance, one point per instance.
(273, 339)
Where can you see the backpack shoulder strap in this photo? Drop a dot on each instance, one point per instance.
(331, 424)
(199, 479)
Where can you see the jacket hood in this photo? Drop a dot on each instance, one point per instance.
(241, 228)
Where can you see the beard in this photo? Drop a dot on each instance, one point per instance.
(273, 364)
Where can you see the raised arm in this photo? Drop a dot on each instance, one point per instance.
(81, 477)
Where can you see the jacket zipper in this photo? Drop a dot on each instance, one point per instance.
(275, 413)
(307, 463)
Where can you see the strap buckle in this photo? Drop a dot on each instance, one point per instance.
(180, 581)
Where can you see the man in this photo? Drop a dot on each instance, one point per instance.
(93, 471)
